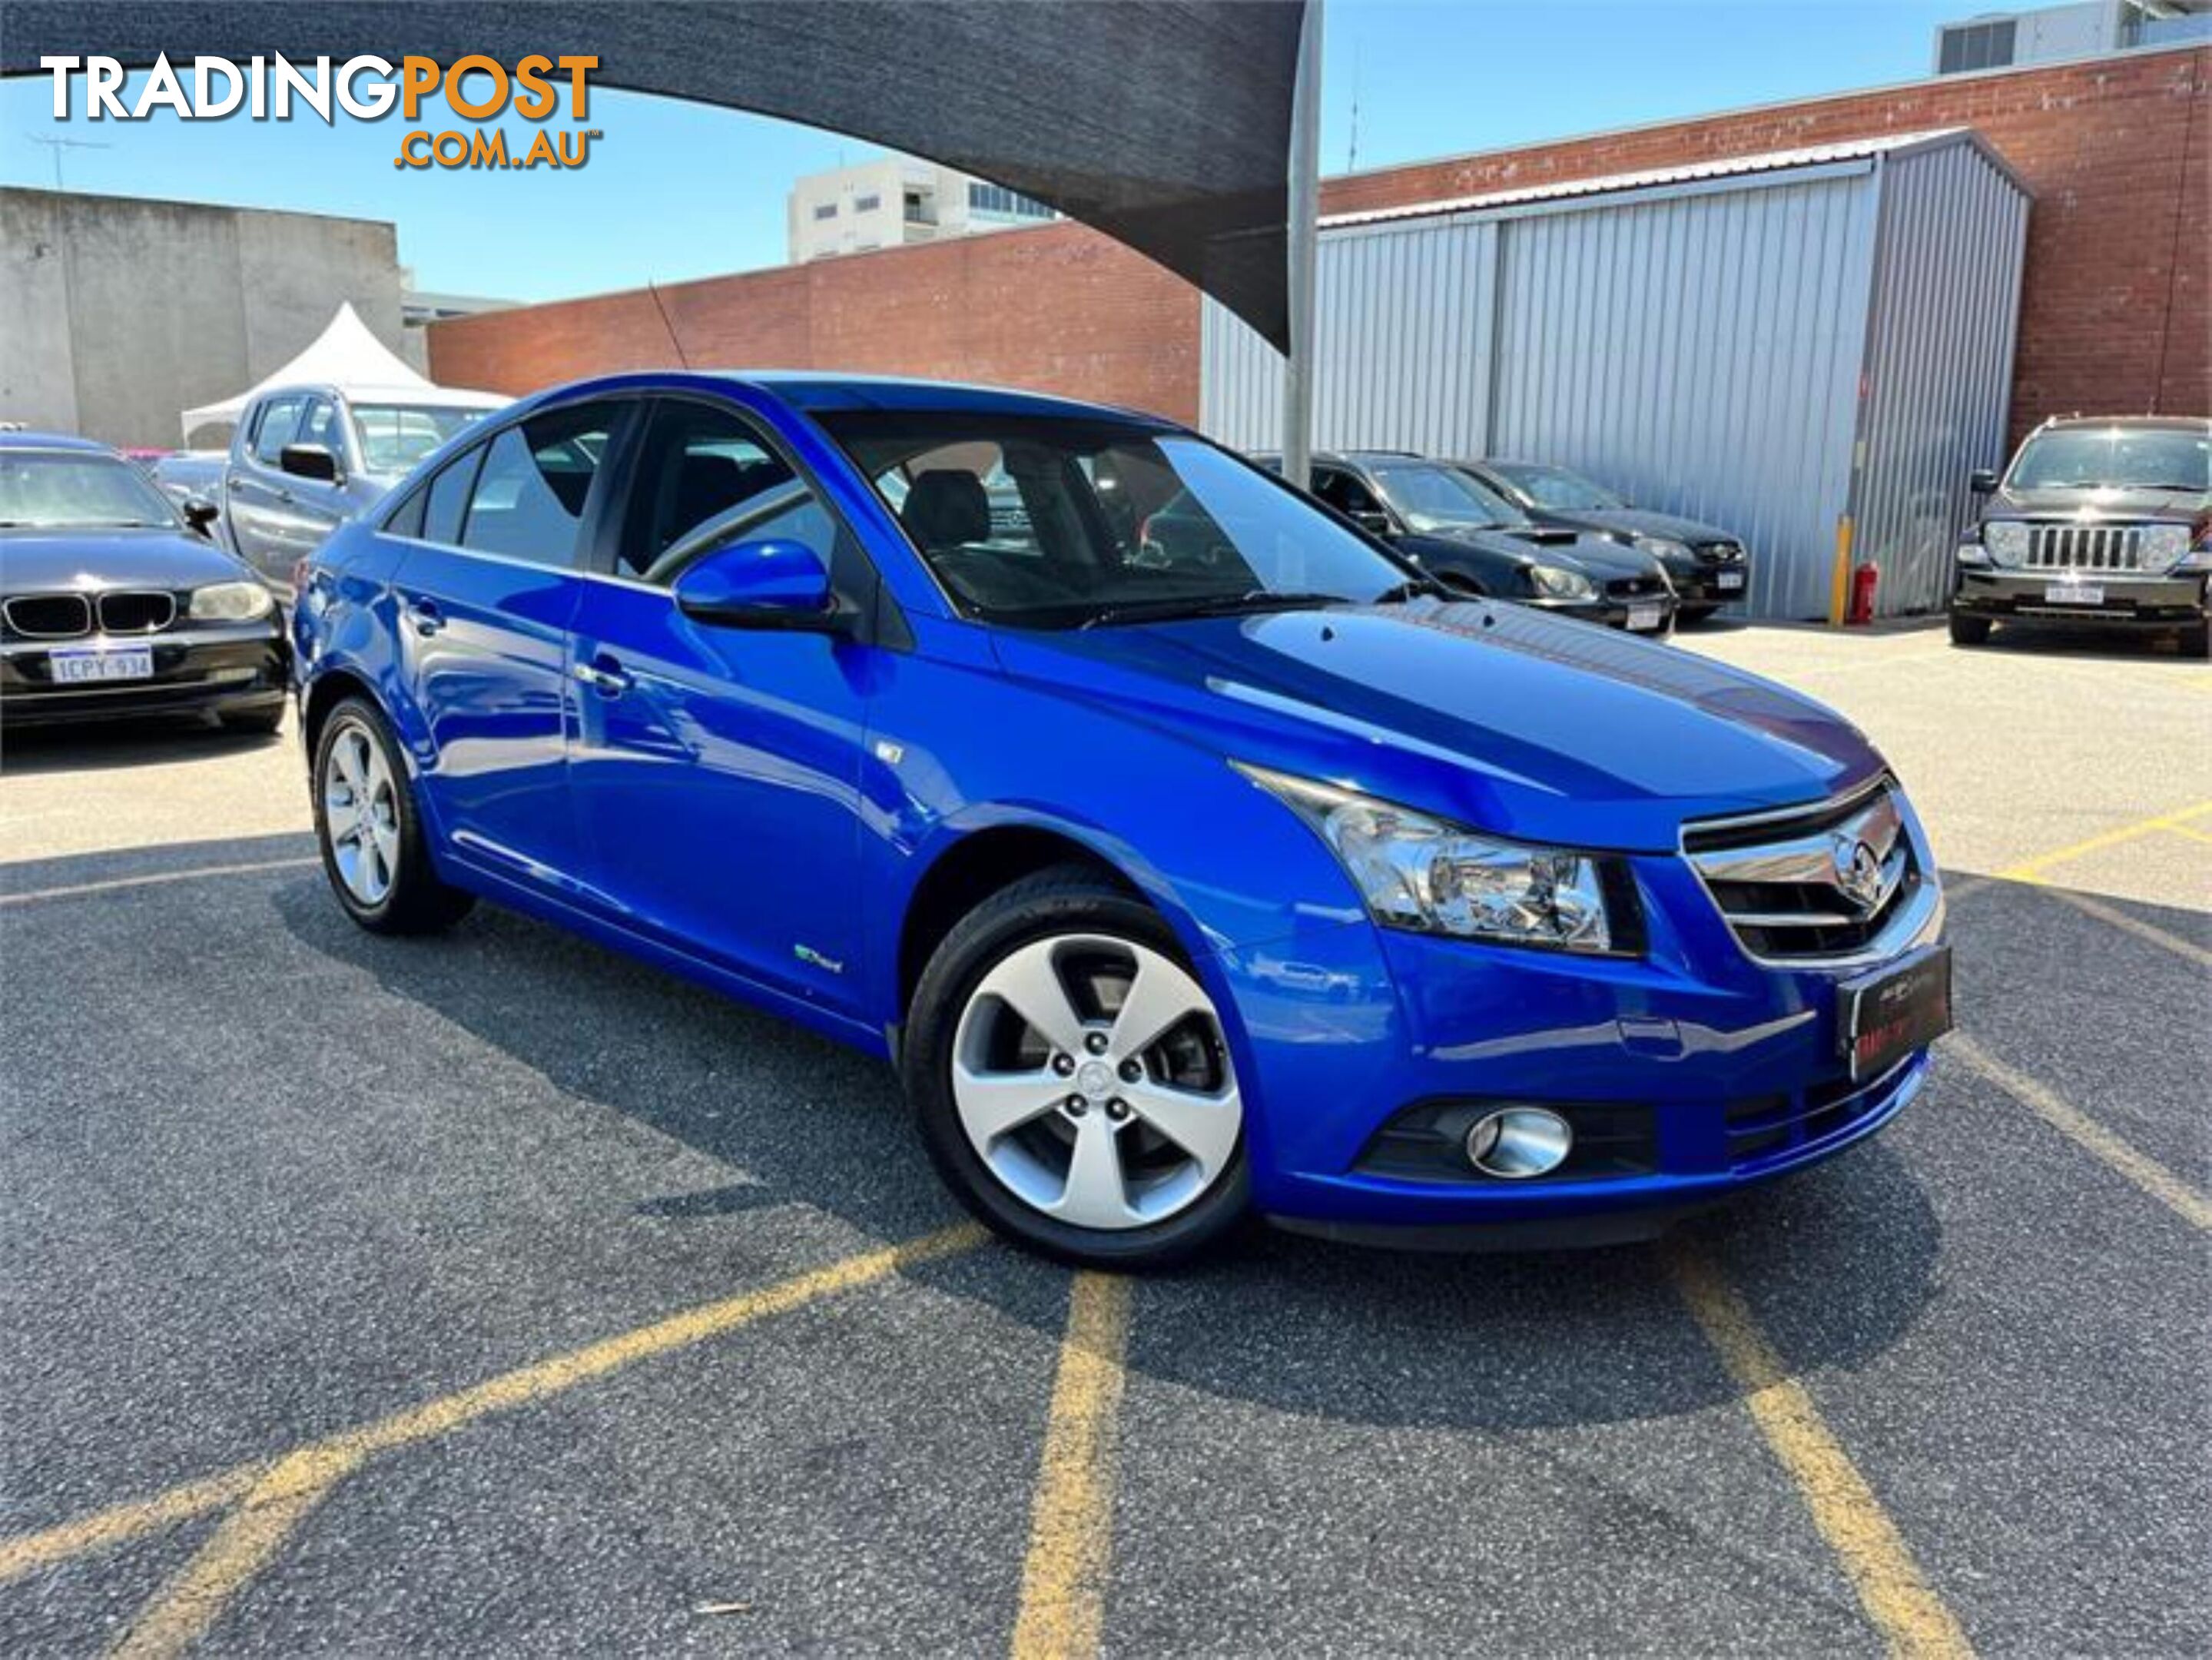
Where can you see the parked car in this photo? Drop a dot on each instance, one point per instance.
(1285, 882)
(1470, 537)
(305, 458)
(113, 602)
(1708, 566)
(2102, 522)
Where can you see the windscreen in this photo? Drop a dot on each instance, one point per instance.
(393, 437)
(1063, 523)
(1432, 499)
(2120, 458)
(1555, 487)
(81, 489)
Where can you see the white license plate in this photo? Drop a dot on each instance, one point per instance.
(82, 665)
(2073, 594)
(1728, 579)
(1642, 619)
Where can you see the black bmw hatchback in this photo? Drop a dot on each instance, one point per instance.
(113, 602)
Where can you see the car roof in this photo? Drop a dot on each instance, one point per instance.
(2140, 423)
(52, 441)
(817, 394)
(425, 396)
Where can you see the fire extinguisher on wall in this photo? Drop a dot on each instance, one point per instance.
(1862, 585)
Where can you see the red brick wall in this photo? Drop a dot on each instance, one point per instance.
(1058, 309)
(2116, 314)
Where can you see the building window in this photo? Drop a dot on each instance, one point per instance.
(866, 204)
(997, 198)
(1970, 47)
(825, 210)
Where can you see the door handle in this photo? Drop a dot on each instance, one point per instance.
(604, 677)
(286, 497)
(425, 616)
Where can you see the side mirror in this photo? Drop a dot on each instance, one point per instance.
(200, 513)
(309, 461)
(1376, 524)
(774, 583)
(1982, 481)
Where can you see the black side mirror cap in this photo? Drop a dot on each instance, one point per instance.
(1983, 481)
(200, 513)
(309, 461)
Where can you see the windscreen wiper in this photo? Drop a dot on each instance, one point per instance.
(1213, 604)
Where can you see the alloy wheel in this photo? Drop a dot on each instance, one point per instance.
(1090, 1075)
(360, 813)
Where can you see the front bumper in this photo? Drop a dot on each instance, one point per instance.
(2124, 601)
(198, 669)
(1704, 586)
(1701, 1071)
(1609, 612)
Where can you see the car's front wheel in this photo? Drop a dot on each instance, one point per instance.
(1969, 630)
(2197, 641)
(370, 835)
(1072, 1078)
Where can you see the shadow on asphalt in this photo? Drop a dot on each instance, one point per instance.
(101, 745)
(1300, 1325)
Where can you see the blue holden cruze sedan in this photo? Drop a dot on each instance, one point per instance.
(1179, 877)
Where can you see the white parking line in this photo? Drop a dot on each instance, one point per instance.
(119, 883)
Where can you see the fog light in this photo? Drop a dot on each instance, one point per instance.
(1518, 1143)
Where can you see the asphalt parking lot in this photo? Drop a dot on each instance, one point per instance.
(497, 1295)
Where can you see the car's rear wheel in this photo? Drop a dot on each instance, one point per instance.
(1071, 1079)
(370, 835)
(1969, 630)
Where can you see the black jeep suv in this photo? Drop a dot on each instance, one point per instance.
(2100, 522)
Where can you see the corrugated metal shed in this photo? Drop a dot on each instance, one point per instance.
(1782, 343)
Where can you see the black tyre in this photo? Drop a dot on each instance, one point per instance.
(1969, 630)
(369, 831)
(1070, 1079)
(2197, 641)
(262, 721)
(1690, 614)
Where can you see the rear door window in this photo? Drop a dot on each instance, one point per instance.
(535, 483)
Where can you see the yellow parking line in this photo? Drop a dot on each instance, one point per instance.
(501, 1394)
(2153, 1178)
(2188, 830)
(179, 1614)
(122, 881)
(1072, 1518)
(1907, 1611)
(2134, 925)
(2033, 870)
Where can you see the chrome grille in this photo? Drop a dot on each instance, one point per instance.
(131, 610)
(1720, 553)
(1806, 885)
(2084, 547)
(47, 616)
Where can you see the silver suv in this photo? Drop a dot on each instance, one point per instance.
(2100, 522)
(306, 458)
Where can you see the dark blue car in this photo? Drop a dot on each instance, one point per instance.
(1275, 880)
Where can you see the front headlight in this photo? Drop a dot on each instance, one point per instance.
(2007, 541)
(231, 602)
(1662, 547)
(1430, 876)
(1558, 582)
(2162, 544)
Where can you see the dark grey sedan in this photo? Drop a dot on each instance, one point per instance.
(1707, 565)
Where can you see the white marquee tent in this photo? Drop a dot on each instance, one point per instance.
(345, 354)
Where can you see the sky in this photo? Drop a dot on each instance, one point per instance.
(674, 191)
